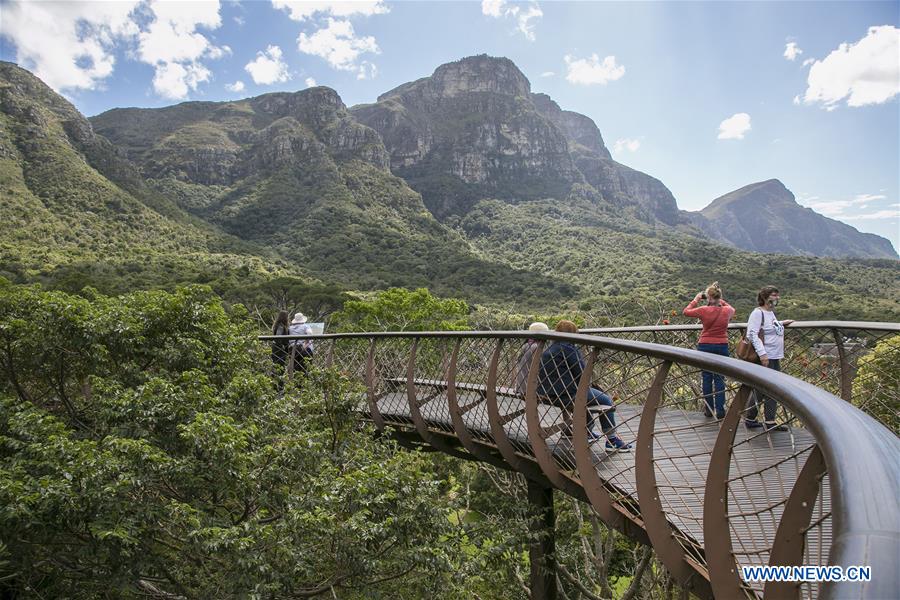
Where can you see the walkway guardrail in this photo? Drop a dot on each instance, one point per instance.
(711, 496)
(828, 354)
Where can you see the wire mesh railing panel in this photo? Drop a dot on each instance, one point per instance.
(827, 356)
(769, 450)
(817, 537)
(684, 435)
(429, 382)
(389, 366)
(471, 376)
(513, 368)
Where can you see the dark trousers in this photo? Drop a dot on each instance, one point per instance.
(302, 357)
(770, 406)
(595, 398)
(713, 383)
(607, 419)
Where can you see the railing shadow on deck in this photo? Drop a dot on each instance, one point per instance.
(709, 495)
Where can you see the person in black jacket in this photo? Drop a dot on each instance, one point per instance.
(560, 372)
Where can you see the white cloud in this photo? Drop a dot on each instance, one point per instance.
(300, 10)
(310, 82)
(792, 51)
(338, 44)
(588, 71)
(237, 86)
(69, 45)
(268, 67)
(866, 72)
(890, 213)
(734, 127)
(808, 62)
(493, 8)
(797, 99)
(629, 144)
(174, 80)
(525, 18)
(502, 9)
(175, 47)
(548, 74)
(838, 208)
(366, 70)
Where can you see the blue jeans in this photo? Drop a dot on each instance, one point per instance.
(598, 398)
(769, 405)
(713, 383)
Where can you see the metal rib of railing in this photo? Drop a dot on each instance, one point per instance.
(710, 496)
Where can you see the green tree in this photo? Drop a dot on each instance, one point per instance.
(399, 309)
(143, 451)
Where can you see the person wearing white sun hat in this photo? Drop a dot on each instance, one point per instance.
(302, 350)
(523, 364)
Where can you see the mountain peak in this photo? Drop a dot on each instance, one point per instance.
(768, 193)
(481, 73)
(765, 217)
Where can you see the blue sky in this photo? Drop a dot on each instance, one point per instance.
(672, 86)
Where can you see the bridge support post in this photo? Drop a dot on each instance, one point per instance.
(542, 550)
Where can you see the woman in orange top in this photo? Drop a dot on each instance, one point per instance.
(714, 339)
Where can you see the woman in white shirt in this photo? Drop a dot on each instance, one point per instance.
(302, 350)
(766, 333)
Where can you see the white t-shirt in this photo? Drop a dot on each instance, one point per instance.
(301, 329)
(773, 333)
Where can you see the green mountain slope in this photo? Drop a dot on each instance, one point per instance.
(297, 174)
(64, 216)
(611, 259)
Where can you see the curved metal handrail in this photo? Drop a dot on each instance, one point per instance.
(859, 454)
(852, 325)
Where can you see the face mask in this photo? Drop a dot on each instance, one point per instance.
(773, 302)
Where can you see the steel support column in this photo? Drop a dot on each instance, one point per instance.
(542, 549)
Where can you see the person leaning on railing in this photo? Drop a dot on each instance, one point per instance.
(714, 340)
(560, 371)
(766, 333)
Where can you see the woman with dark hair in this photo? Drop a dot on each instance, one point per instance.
(280, 347)
(766, 333)
(713, 339)
(560, 372)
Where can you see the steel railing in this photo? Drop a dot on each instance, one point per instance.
(709, 495)
(827, 354)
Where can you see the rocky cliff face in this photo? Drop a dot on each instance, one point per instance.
(765, 217)
(473, 130)
(298, 174)
(220, 143)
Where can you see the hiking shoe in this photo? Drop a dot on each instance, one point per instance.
(752, 424)
(616, 443)
(774, 427)
(593, 436)
(707, 412)
(720, 416)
